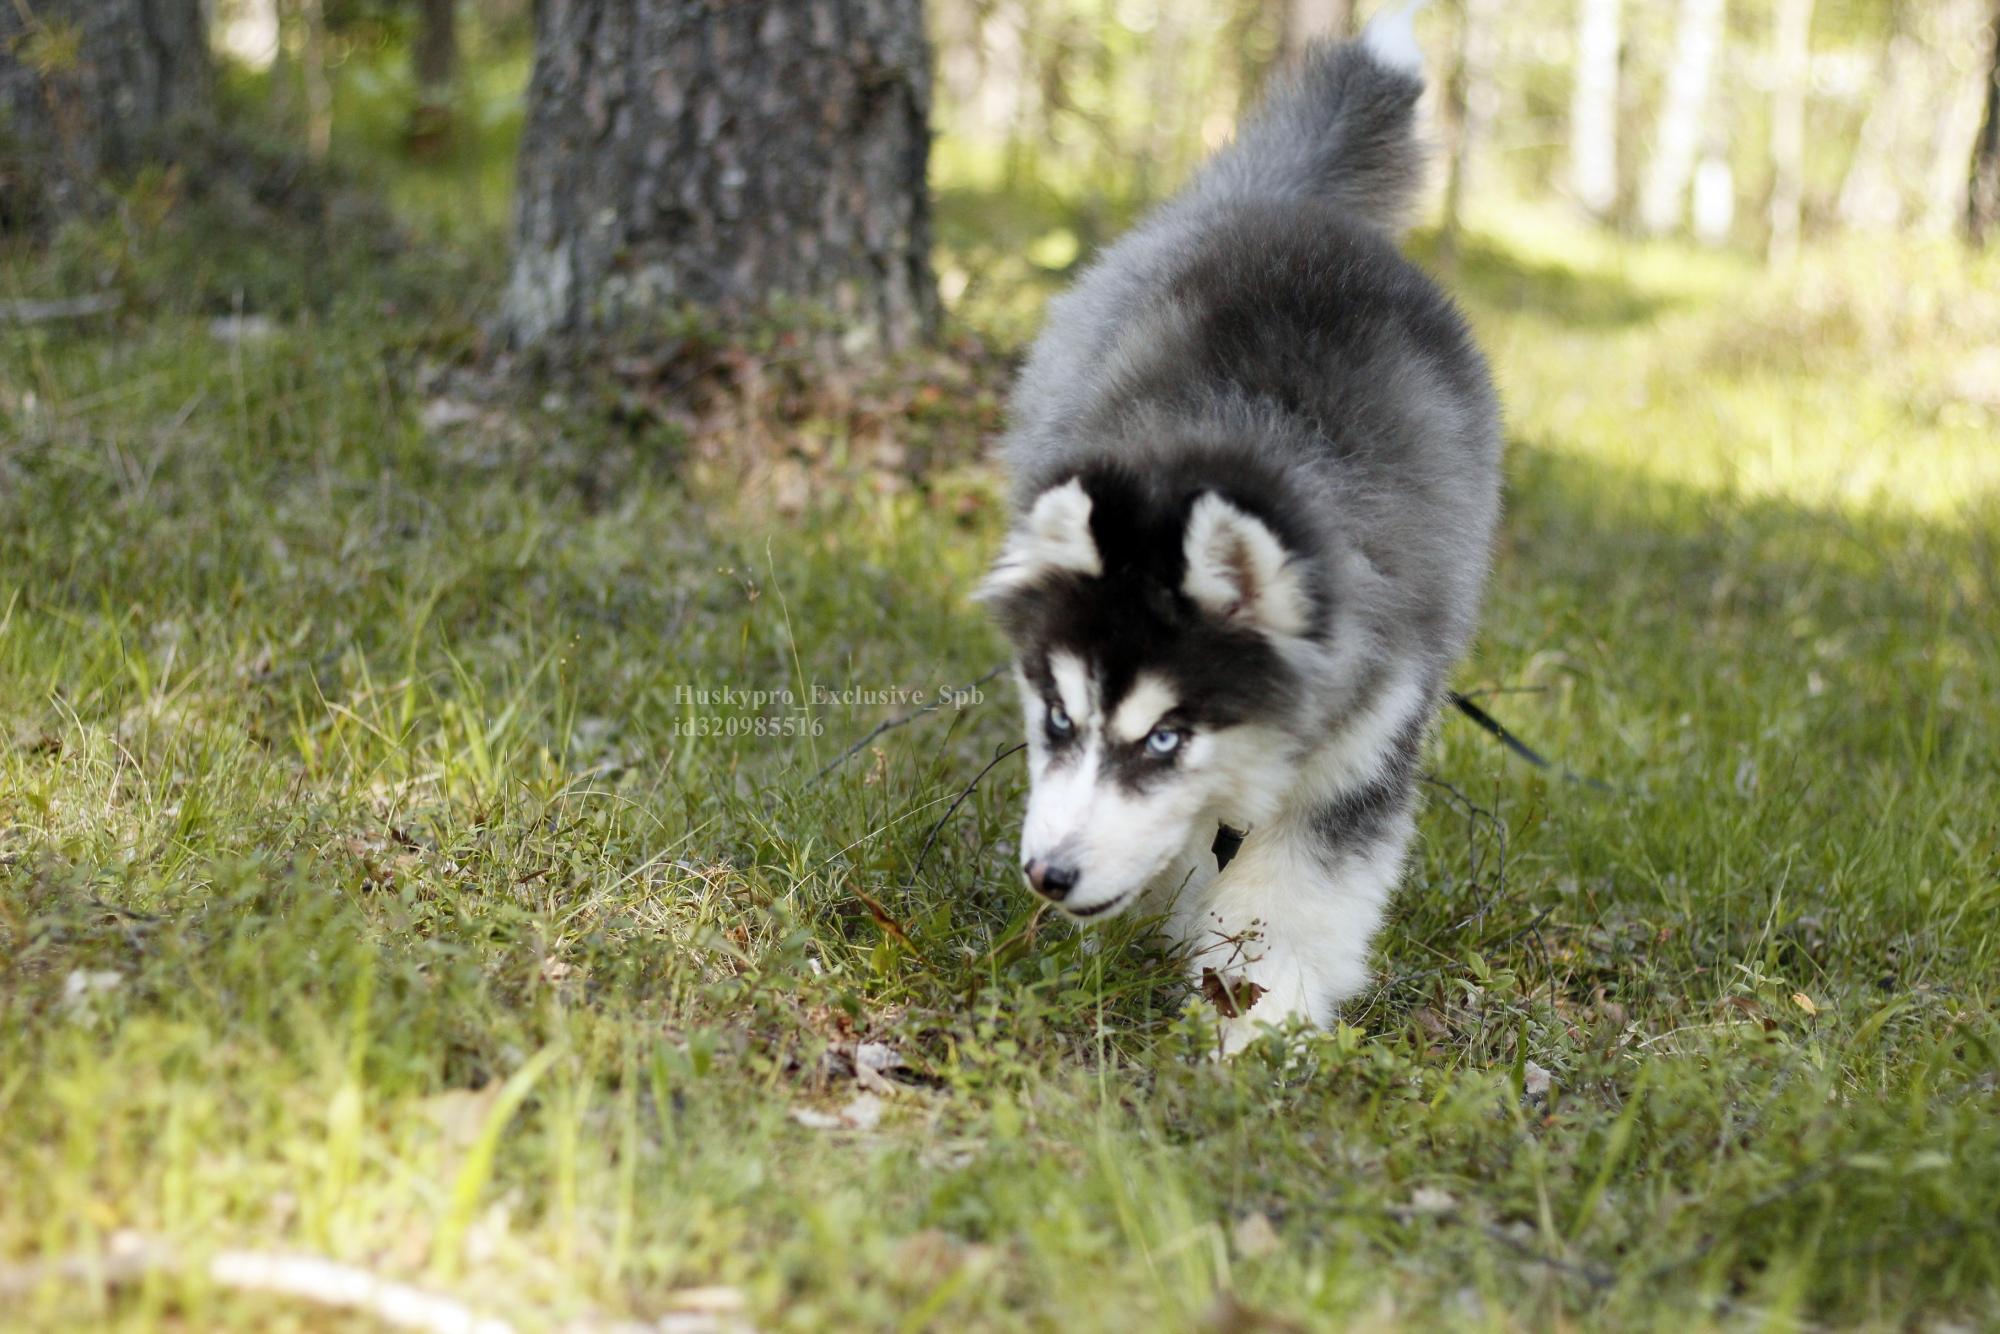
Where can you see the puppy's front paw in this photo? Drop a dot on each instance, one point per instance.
(1245, 1009)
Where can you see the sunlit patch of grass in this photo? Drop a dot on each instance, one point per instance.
(1855, 381)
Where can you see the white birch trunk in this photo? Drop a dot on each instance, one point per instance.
(1677, 140)
(1872, 195)
(1593, 108)
(1791, 56)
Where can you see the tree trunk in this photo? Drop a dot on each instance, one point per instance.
(436, 53)
(313, 76)
(1983, 209)
(1303, 22)
(1791, 57)
(1663, 197)
(729, 155)
(435, 59)
(1471, 101)
(1964, 72)
(1593, 109)
(1872, 194)
(86, 89)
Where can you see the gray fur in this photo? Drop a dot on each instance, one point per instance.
(1260, 337)
(1267, 307)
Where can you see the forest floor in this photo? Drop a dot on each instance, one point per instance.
(376, 884)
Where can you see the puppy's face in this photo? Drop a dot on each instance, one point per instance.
(1152, 635)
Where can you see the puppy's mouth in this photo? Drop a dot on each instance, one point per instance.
(1096, 909)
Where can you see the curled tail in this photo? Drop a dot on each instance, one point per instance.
(1340, 128)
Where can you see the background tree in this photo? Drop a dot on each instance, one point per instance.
(1964, 64)
(1791, 57)
(728, 155)
(1300, 22)
(86, 88)
(1983, 207)
(1871, 196)
(434, 60)
(1471, 99)
(1678, 138)
(1593, 108)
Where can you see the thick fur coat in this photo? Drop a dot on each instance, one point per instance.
(1255, 458)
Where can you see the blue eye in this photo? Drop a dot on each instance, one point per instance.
(1059, 722)
(1162, 742)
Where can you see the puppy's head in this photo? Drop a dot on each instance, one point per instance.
(1157, 633)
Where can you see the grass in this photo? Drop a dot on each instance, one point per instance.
(367, 889)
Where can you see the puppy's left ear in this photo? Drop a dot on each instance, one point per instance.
(1239, 571)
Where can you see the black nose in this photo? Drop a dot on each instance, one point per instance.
(1052, 882)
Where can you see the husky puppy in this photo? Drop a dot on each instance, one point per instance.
(1255, 460)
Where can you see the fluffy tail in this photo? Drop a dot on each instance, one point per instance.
(1340, 128)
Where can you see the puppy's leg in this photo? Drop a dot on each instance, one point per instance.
(1296, 910)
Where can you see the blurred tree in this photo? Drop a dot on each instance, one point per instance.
(1983, 209)
(86, 88)
(1964, 63)
(303, 39)
(1791, 58)
(1593, 108)
(1697, 38)
(1302, 21)
(434, 56)
(1472, 99)
(728, 155)
(1871, 196)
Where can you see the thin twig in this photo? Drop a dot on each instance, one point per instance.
(958, 801)
(892, 724)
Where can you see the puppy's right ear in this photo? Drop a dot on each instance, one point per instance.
(1054, 536)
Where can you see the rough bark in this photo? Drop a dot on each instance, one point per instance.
(731, 155)
(1678, 139)
(1983, 208)
(87, 89)
(1593, 108)
(1301, 22)
(1791, 54)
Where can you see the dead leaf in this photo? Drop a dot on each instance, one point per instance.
(874, 1062)
(1804, 1002)
(1431, 1200)
(460, 1114)
(1228, 1315)
(863, 1113)
(1232, 997)
(1535, 1082)
(1253, 1236)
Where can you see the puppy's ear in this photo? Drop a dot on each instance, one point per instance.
(1054, 536)
(1238, 570)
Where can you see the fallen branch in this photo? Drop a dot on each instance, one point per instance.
(60, 308)
(326, 1283)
